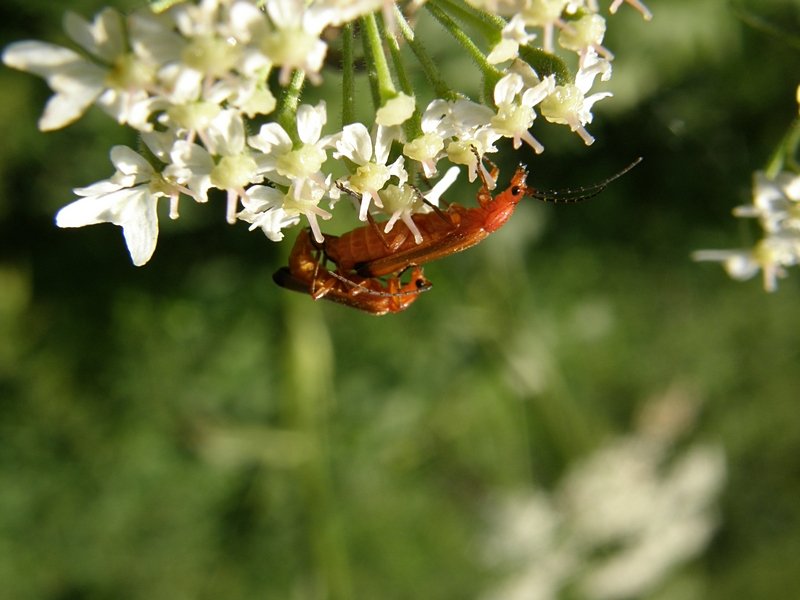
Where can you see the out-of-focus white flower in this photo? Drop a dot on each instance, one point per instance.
(616, 524)
(776, 204)
(291, 40)
(547, 15)
(118, 82)
(635, 4)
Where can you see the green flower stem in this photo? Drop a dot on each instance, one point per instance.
(413, 126)
(489, 26)
(287, 111)
(348, 75)
(437, 82)
(786, 153)
(372, 75)
(308, 410)
(546, 64)
(490, 75)
(376, 59)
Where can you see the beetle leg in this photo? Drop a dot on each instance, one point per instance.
(485, 194)
(445, 217)
(395, 242)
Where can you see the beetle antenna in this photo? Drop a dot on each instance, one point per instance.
(579, 194)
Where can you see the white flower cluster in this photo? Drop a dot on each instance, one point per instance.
(615, 526)
(196, 78)
(776, 205)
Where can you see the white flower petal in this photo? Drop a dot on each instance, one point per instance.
(507, 89)
(128, 162)
(39, 58)
(355, 143)
(310, 120)
(132, 209)
(226, 132)
(271, 138)
(153, 39)
(104, 37)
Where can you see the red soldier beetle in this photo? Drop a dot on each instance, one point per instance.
(371, 252)
(306, 275)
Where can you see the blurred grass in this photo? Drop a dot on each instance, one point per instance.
(189, 430)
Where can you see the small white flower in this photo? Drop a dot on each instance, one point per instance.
(587, 33)
(400, 202)
(293, 39)
(281, 162)
(515, 112)
(568, 104)
(263, 208)
(306, 204)
(372, 173)
(127, 199)
(547, 15)
(236, 169)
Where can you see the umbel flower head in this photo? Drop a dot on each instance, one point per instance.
(214, 88)
(776, 206)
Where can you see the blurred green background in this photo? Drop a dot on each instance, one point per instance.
(189, 430)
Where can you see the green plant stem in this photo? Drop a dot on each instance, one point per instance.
(348, 75)
(785, 154)
(376, 58)
(413, 126)
(287, 111)
(490, 75)
(435, 79)
(489, 26)
(309, 401)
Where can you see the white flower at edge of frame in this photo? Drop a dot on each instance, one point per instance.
(77, 83)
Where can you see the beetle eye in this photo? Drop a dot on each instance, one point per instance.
(515, 191)
(420, 284)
